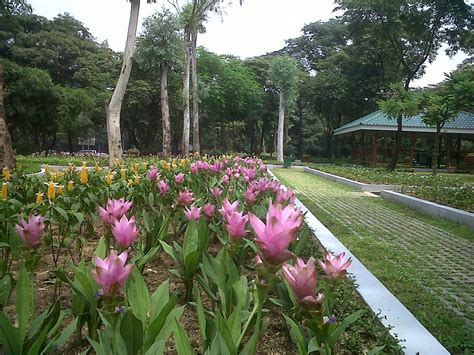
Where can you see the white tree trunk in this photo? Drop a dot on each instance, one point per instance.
(186, 119)
(165, 110)
(281, 126)
(115, 104)
(196, 142)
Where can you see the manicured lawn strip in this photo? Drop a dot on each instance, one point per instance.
(59, 160)
(409, 280)
(455, 190)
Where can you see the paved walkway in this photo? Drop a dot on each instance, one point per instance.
(443, 259)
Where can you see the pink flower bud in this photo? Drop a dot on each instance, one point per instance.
(31, 231)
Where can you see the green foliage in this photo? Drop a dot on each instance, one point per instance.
(283, 73)
(400, 103)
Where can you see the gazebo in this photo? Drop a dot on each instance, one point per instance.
(370, 145)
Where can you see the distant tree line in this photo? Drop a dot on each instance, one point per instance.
(180, 96)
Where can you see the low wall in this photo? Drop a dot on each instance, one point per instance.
(431, 208)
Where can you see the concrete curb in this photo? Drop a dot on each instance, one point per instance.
(431, 208)
(351, 183)
(415, 338)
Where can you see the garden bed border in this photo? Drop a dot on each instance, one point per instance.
(431, 208)
(351, 183)
(402, 324)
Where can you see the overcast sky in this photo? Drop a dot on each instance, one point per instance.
(255, 28)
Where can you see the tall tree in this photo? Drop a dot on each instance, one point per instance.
(7, 155)
(413, 31)
(158, 49)
(115, 104)
(283, 73)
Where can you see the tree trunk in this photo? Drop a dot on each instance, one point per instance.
(281, 125)
(115, 105)
(398, 143)
(70, 143)
(300, 133)
(7, 155)
(187, 63)
(196, 142)
(434, 163)
(165, 110)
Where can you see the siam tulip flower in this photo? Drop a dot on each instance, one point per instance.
(216, 192)
(164, 187)
(229, 208)
(335, 266)
(111, 273)
(236, 222)
(115, 209)
(274, 237)
(185, 197)
(179, 178)
(225, 179)
(153, 174)
(283, 196)
(251, 196)
(302, 280)
(209, 210)
(31, 231)
(228, 171)
(192, 214)
(125, 231)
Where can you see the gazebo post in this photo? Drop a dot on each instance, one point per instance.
(412, 149)
(448, 150)
(458, 150)
(362, 146)
(374, 149)
(353, 146)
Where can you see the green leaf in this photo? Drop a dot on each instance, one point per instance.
(201, 316)
(377, 350)
(223, 331)
(313, 345)
(131, 329)
(191, 239)
(60, 339)
(53, 314)
(169, 250)
(9, 336)
(181, 339)
(342, 327)
(5, 289)
(296, 335)
(219, 346)
(101, 250)
(23, 303)
(191, 263)
(62, 212)
(159, 299)
(138, 296)
(157, 348)
(151, 198)
(158, 322)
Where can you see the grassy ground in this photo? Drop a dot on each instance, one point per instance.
(425, 262)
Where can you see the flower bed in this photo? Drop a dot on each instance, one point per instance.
(452, 191)
(220, 245)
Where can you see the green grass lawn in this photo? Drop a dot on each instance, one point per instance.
(412, 273)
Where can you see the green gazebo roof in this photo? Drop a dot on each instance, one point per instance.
(463, 123)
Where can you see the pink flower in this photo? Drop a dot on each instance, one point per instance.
(179, 178)
(111, 273)
(185, 197)
(153, 174)
(216, 192)
(209, 209)
(236, 222)
(125, 231)
(274, 237)
(302, 280)
(251, 196)
(31, 231)
(229, 208)
(192, 214)
(335, 266)
(225, 180)
(164, 187)
(115, 209)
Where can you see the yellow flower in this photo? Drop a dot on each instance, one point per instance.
(98, 168)
(71, 167)
(6, 174)
(61, 189)
(70, 185)
(130, 182)
(109, 178)
(116, 163)
(145, 165)
(137, 179)
(47, 171)
(84, 176)
(4, 192)
(39, 197)
(122, 173)
(51, 190)
(54, 177)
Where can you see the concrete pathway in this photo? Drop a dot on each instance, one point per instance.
(443, 259)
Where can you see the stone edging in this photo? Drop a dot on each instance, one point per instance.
(414, 337)
(431, 208)
(351, 183)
